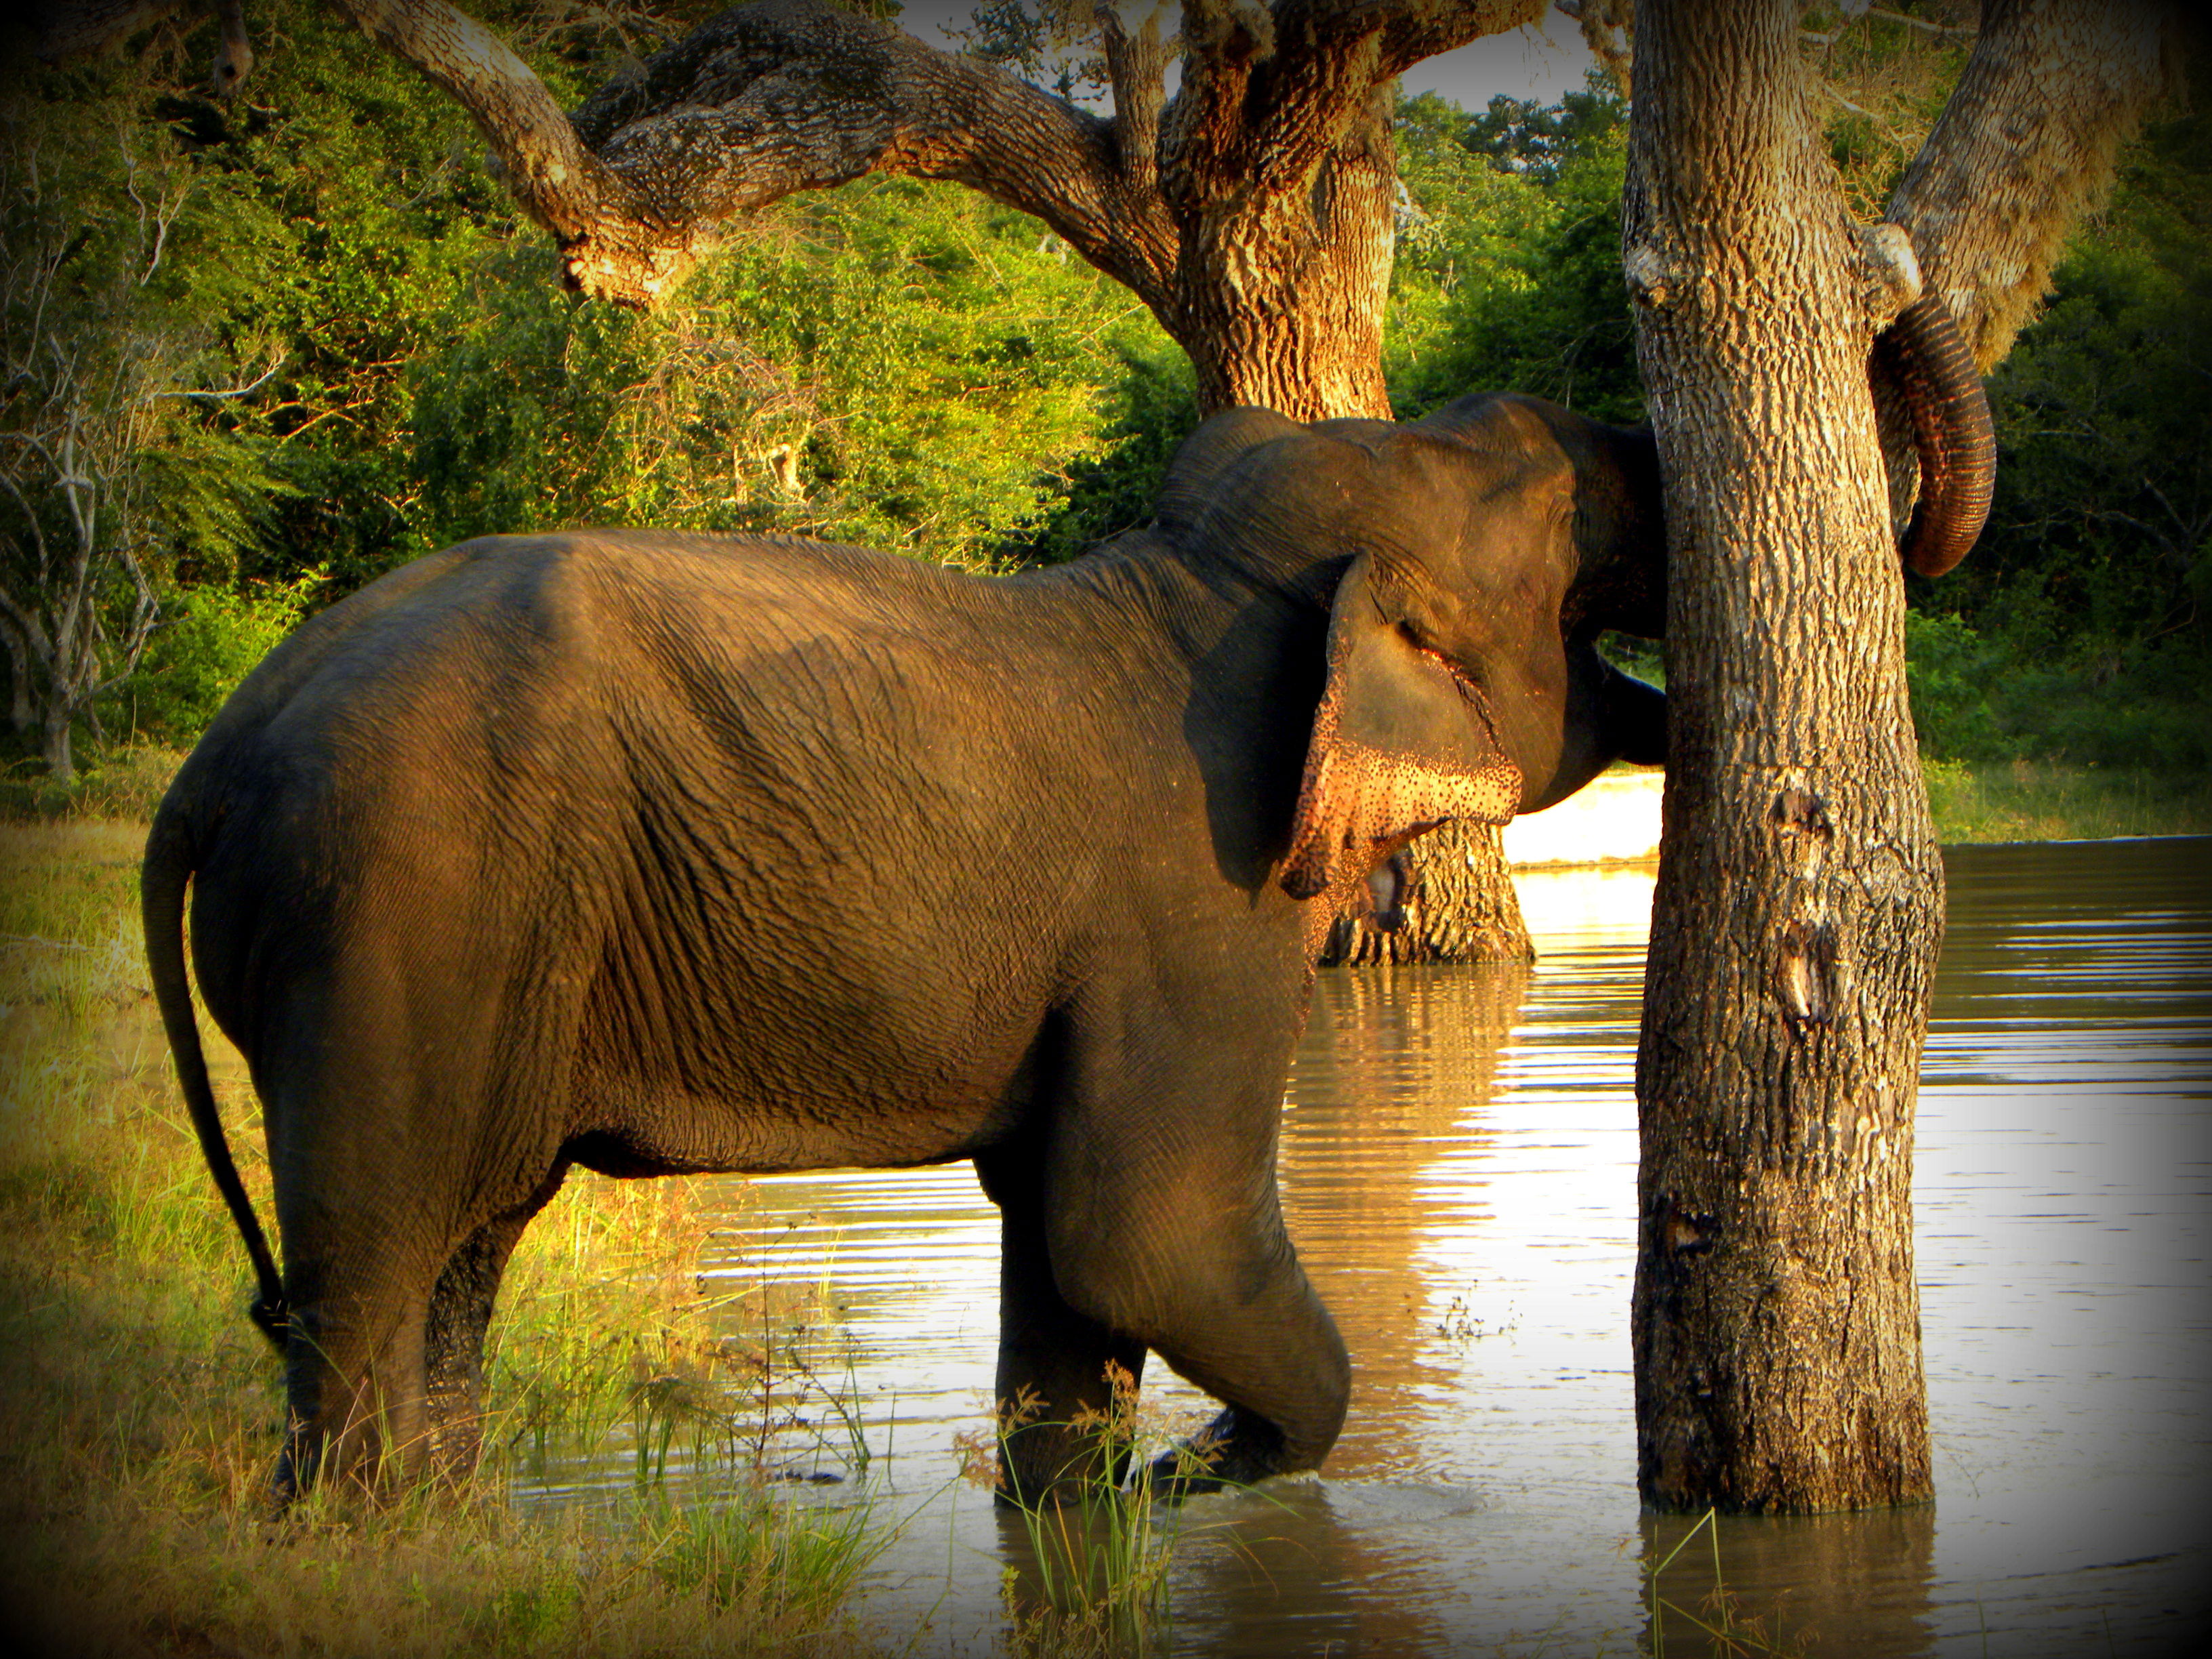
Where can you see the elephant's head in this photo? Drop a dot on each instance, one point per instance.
(1478, 554)
(1490, 544)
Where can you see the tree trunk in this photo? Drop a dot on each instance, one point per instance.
(1776, 1317)
(20, 717)
(1282, 306)
(1460, 906)
(54, 744)
(1281, 297)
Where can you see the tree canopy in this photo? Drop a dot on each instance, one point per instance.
(909, 365)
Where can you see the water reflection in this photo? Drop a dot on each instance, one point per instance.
(1816, 1585)
(1458, 1166)
(1385, 1118)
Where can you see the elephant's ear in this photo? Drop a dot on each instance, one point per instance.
(1400, 743)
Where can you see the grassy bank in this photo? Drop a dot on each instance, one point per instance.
(2040, 800)
(142, 1412)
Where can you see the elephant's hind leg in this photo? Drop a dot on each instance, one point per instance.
(353, 1366)
(458, 1316)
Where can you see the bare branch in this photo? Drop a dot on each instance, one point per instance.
(146, 612)
(2027, 145)
(1136, 67)
(245, 390)
(1419, 29)
(1927, 24)
(26, 626)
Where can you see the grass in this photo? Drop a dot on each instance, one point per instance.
(2037, 800)
(124, 784)
(144, 1413)
(1716, 1626)
(1093, 1581)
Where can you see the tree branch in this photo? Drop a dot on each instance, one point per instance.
(68, 28)
(786, 95)
(1268, 95)
(1136, 69)
(618, 247)
(1608, 30)
(2025, 146)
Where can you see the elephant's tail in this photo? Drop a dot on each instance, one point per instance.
(161, 881)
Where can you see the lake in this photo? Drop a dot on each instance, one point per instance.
(1458, 1166)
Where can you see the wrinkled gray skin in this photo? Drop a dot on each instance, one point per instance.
(658, 853)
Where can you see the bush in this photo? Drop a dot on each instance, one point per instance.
(1947, 668)
(217, 636)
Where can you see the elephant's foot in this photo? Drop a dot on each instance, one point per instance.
(1236, 1449)
(1048, 1465)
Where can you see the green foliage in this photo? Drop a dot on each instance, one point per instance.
(904, 366)
(1511, 280)
(1156, 408)
(1539, 141)
(911, 367)
(120, 455)
(2043, 801)
(2081, 630)
(2082, 616)
(214, 635)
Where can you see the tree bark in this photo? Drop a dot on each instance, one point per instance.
(1460, 906)
(1776, 1319)
(1799, 910)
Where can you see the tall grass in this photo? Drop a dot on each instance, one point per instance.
(1091, 1574)
(1714, 1627)
(144, 1413)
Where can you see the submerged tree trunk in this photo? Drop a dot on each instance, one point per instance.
(1460, 906)
(1800, 903)
(1795, 932)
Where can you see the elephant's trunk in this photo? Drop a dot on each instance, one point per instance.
(1923, 356)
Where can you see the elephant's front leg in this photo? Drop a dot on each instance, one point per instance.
(1162, 1222)
(1055, 1366)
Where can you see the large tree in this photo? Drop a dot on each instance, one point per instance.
(1799, 904)
(1253, 212)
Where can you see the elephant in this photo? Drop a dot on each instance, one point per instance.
(656, 852)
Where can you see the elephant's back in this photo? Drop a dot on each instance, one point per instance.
(496, 633)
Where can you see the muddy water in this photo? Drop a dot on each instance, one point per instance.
(1459, 1167)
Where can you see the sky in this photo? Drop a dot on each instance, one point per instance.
(1540, 61)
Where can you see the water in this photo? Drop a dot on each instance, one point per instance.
(1458, 1167)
